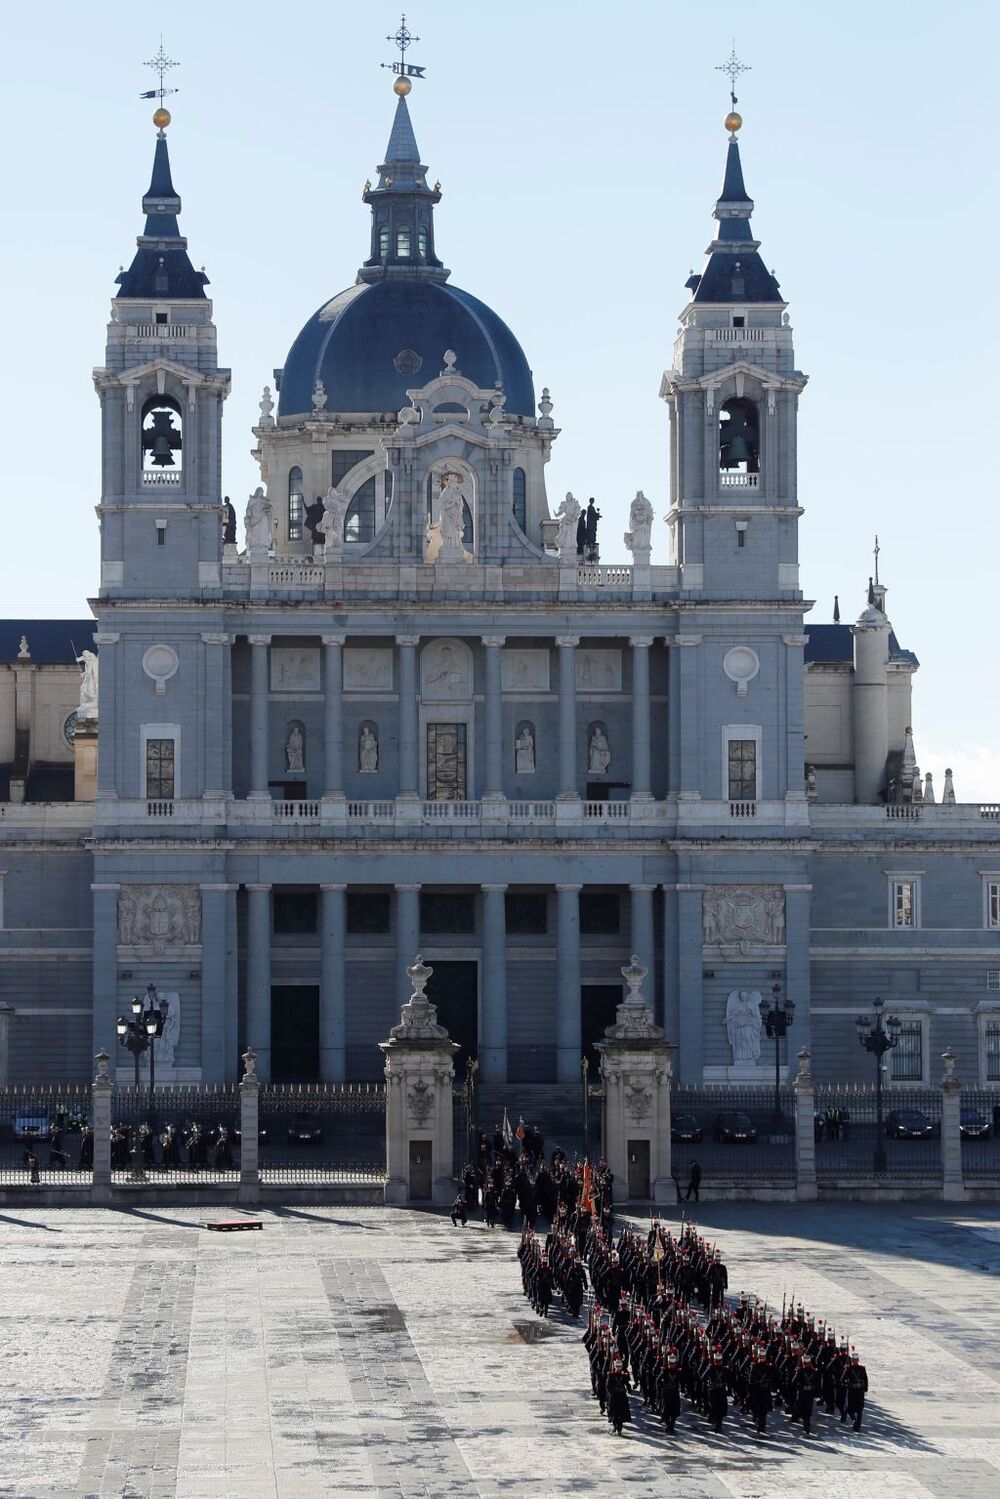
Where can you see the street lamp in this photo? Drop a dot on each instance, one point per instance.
(776, 1022)
(878, 1037)
(137, 1035)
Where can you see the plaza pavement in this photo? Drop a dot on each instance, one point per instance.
(371, 1351)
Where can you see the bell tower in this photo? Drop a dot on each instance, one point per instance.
(161, 392)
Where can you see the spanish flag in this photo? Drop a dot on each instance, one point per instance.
(586, 1195)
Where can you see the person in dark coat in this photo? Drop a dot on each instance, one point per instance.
(57, 1155)
(30, 1160)
(668, 1392)
(714, 1391)
(694, 1183)
(619, 1409)
(804, 1390)
(458, 1213)
(855, 1386)
(87, 1148)
(761, 1386)
(223, 1149)
(490, 1205)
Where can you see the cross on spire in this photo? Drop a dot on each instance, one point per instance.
(161, 65)
(403, 39)
(877, 550)
(733, 68)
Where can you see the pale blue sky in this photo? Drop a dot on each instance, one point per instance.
(580, 148)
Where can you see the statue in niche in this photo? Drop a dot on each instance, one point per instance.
(259, 522)
(599, 758)
(453, 498)
(166, 1044)
(88, 684)
(295, 750)
(335, 507)
(524, 751)
(568, 515)
(228, 522)
(743, 1024)
(638, 537)
(367, 750)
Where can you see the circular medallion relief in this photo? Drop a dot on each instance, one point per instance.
(69, 727)
(741, 665)
(407, 362)
(160, 662)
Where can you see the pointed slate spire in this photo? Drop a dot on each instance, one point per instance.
(402, 206)
(734, 271)
(161, 269)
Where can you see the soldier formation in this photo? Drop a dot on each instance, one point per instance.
(661, 1328)
(517, 1185)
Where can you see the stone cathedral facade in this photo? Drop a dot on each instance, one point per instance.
(399, 704)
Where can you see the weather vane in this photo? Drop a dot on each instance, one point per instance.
(877, 550)
(403, 39)
(733, 67)
(160, 64)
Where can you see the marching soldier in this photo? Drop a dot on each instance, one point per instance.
(855, 1386)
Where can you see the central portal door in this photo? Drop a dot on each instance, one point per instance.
(295, 1033)
(454, 988)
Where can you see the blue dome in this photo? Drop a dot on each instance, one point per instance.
(361, 345)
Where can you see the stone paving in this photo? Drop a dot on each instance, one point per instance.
(371, 1351)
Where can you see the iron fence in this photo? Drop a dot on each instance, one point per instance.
(322, 1132)
(46, 1135)
(980, 1129)
(849, 1142)
(176, 1134)
(733, 1133)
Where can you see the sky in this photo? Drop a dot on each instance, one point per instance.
(580, 148)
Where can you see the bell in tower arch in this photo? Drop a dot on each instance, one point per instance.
(161, 434)
(739, 443)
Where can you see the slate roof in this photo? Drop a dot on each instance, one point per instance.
(50, 641)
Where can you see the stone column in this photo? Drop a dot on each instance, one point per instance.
(691, 1018)
(333, 986)
(635, 1067)
(333, 716)
(215, 1060)
(6, 1016)
(419, 1073)
(259, 717)
(493, 1030)
(100, 1104)
(568, 790)
(407, 932)
(953, 1182)
(642, 929)
(409, 756)
(109, 689)
(218, 717)
(684, 710)
(259, 977)
(641, 742)
(568, 1043)
(105, 990)
(493, 788)
(249, 1131)
(805, 1130)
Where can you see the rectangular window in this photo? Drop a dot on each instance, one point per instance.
(295, 912)
(160, 765)
(367, 912)
(993, 978)
(600, 913)
(344, 459)
(906, 1060)
(446, 913)
(993, 904)
(446, 762)
(904, 903)
(991, 1042)
(527, 913)
(742, 770)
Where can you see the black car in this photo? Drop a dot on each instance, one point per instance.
(305, 1129)
(908, 1124)
(734, 1125)
(972, 1125)
(685, 1130)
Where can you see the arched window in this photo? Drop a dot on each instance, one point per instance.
(739, 437)
(520, 499)
(403, 244)
(422, 242)
(296, 505)
(162, 441)
(383, 241)
(359, 523)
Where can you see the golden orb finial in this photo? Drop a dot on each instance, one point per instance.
(161, 118)
(733, 122)
(402, 87)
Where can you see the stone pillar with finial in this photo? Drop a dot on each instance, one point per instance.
(805, 1130)
(636, 1071)
(953, 1183)
(948, 798)
(100, 1108)
(249, 1130)
(419, 1071)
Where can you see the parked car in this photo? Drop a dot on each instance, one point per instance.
(685, 1130)
(908, 1124)
(261, 1133)
(733, 1126)
(973, 1125)
(305, 1129)
(31, 1125)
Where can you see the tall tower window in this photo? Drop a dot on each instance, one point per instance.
(742, 770)
(520, 499)
(160, 764)
(739, 443)
(162, 441)
(422, 243)
(383, 240)
(403, 244)
(296, 505)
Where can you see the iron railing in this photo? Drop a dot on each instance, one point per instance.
(45, 1133)
(322, 1132)
(183, 1135)
(980, 1130)
(733, 1133)
(847, 1132)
